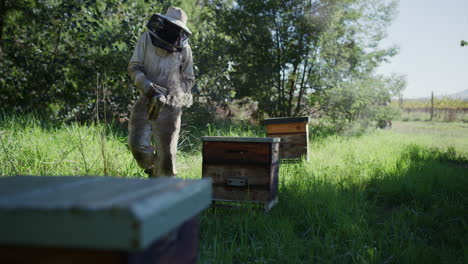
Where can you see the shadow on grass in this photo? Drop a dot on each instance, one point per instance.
(414, 212)
(423, 204)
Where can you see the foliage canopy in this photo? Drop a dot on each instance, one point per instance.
(64, 58)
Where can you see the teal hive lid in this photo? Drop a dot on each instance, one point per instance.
(96, 212)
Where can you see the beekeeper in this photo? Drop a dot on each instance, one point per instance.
(162, 70)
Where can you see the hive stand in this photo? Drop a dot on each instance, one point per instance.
(243, 169)
(294, 134)
(100, 219)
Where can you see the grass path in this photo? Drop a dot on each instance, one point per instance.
(397, 196)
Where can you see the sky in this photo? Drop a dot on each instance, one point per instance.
(429, 33)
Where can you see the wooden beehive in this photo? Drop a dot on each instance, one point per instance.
(100, 219)
(243, 169)
(294, 134)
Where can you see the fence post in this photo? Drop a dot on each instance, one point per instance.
(400, 99)
(432, 105)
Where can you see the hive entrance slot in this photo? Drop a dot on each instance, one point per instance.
(237, 182)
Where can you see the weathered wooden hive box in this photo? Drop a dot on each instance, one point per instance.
(100, 219)
(294, 134)
(243, 169)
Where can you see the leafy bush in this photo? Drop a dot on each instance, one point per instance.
(68, 59)
(356, 106)
(61, 58)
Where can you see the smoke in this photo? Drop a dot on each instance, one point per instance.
(178, 94)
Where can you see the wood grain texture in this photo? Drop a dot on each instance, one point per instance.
(223, 193)
(235, 152)
(275, 153)
(293, 145)
(274, 174)
(180, 246)
(47, 255)
(256, 176)
(273, 129)
(257, 167)
(241, 139)
(285, 120)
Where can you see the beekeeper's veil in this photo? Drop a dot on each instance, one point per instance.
(169, 31)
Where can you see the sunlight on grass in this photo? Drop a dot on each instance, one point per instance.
(392, 196)
(441, 135)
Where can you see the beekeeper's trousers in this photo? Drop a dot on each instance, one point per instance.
(153, 142)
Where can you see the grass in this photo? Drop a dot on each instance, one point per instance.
(436, 134)
(450, 115)
(393, 196)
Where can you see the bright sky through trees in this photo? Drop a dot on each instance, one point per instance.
(429, 33)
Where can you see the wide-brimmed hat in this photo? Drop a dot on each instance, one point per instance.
(177, 16)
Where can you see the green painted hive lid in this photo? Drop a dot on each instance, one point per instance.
(96, 212)
(242, 139)
(286, 120)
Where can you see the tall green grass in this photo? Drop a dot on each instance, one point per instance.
(384, 197)
(34, 147)
(373, 199)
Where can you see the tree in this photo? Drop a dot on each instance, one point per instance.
(286, 53)
(6, 7)
(61, 56)
(364, 99)
(58, 55)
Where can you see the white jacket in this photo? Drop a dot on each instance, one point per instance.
(173, 71)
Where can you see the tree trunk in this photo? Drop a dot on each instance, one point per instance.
(279, 69)
(292, 85)
(302, 89)
(303, 79)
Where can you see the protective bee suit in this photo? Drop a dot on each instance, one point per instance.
(162, 69)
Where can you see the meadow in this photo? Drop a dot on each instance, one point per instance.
(390, 196)
(443, 109)
(440, 115)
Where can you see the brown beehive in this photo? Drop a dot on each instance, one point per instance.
(243, 169)
(294, 134)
